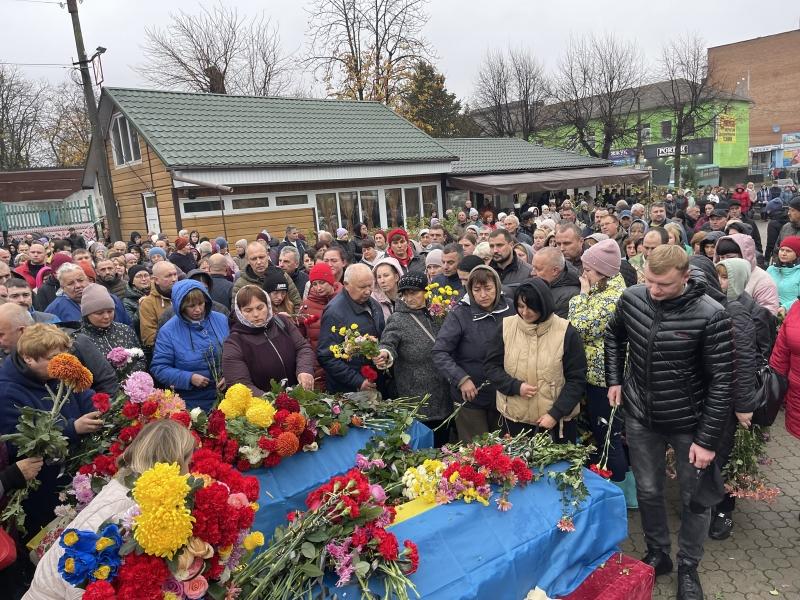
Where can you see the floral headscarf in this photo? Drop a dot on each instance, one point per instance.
(240, 316)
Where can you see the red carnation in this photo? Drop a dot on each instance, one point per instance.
(285, 402)
(243, 464)
(105, 465)
(141, 576)
(387, 544)
(230, 451)
(412, 553)
(273, 460)
(274, 431)
(99, 590)
(604, 473)
(127, 434)
(182, 417)
(149, 408)
(116, 449)
(250, 487)
(86, 469)
(281, 415)
(369, 373)
(292, 516)
(130, 410)
(306, 438)
(101, 402)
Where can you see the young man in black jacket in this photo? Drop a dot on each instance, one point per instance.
(676, 390)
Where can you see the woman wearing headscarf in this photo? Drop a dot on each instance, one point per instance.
(188, 348)
(733, 274)
(322, 287)
(264, 347)
(406, 345)
(387, 272)
(460, 350)
(401, 250)
(589, 312)
(537, 363)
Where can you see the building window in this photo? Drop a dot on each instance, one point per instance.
(201, 206)
(394, 207)
(645, 132)
(327, 214)
(244, 203)
(688, 126)
(348, 209)
(125, 142)
(430, 201)
(370, 211)
(666, 130)
(297, 200)
(411, 197)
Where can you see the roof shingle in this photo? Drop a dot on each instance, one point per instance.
(508, 155)
(221, 131)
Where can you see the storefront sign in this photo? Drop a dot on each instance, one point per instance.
(698, 146)
(769, 148)
(625, 156)
(726, 129)
(791, 158)
(791, 138)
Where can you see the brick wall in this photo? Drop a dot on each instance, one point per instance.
(773, 63)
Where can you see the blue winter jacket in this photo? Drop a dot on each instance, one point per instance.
(788, 281)
(184, 347)
(66, 309)
(19, 387)
(341, 375)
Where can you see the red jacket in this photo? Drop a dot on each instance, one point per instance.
(786, 361)
(24, 271)
(744, 199)
(313, 306)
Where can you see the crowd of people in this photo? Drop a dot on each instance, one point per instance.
(563, 312)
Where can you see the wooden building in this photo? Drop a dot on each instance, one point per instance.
(315, 164)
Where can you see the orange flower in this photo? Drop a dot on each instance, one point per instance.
(357, 421)
(69, 369)
(288, 443)
(295, 423)
(335, 428)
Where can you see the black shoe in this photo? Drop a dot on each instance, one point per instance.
(689, 587)
(721, 526)
(660, 561)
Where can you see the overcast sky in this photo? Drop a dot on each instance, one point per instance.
(460, 31)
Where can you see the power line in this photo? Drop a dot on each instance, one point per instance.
(61, 4)
(44, 65)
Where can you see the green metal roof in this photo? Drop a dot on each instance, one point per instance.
(509, 155)
(221, 131)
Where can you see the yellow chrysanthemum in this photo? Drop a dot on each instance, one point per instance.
(163, 531)
(161, 486)
(254, 540)
(353, 326)
(261, 413)
(237, 400)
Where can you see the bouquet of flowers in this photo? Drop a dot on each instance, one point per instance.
(743, 478)
(265, 432)
(601, 466)
(354, 343)
(467, 474)
(40, 432)
(183, 538)
(122, 358)
(441, 300)
(344, 531)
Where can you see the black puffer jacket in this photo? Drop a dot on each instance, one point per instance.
(679, 376)
(564, 287)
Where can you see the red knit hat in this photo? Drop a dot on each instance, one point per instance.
(395, 232)
(792, 242)
(321, 272)
(181, 243)
(59, 259)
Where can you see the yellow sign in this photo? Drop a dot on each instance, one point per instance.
(726, 129)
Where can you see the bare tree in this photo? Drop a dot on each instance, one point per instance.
(366, 49)
(693, 92)
(531, 90)
(66, 128)
(493, 92)
(216, 51)
(22, 107)
(596, 88)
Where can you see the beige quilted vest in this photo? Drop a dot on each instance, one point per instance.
(534, 354)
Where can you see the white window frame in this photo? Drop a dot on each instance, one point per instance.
(311, 200)
(119, 161)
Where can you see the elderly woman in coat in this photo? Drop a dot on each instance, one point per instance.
(406, 345)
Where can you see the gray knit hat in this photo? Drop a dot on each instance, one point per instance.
(95, 298)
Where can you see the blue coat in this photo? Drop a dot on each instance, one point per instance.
(19, 387)
(788, 281)
(184, 347)
(341, 375)
(66, 309)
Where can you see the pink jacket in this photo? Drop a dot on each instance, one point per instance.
(111, 503)
(760, 285)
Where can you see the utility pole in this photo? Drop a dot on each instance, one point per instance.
(104, 179)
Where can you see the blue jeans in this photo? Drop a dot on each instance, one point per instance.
(647, 451)
(599, 408)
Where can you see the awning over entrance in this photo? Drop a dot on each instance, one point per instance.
(521, 183)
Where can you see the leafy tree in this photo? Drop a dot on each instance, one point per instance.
(428, 105)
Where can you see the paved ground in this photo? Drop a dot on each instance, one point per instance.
(761, 559)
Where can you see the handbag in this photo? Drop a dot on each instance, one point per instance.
(771, 387)
(8, 550)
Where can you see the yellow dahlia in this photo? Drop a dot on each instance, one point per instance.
(261, 413)
(237, 400)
